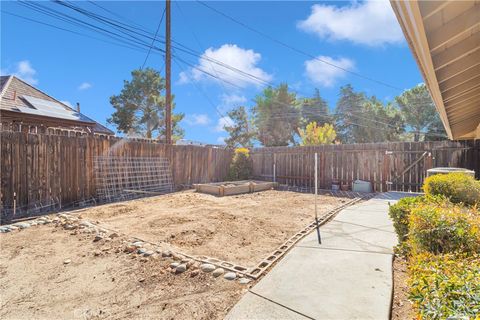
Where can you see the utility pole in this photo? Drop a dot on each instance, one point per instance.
(168, 96)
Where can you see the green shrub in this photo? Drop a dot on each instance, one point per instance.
(458, 187)
(399, 213)
(443, 227)
(445, 285)
(241, 166)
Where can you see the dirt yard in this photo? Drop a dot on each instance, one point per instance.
(72, 268)
(100, 281)
(402, 309)
(242, 229)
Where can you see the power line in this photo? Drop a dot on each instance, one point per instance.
(286, 45)
(138, 41)
(72, 31)
(153, 41)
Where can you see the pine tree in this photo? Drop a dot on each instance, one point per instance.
(240, 133)
(315, 109)
(276, 116)
(140, 107)
(349, 105)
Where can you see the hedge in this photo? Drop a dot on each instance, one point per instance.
(443, 286)
(458, 187)
(443, 227)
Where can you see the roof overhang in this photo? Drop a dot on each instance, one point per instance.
(444, 37)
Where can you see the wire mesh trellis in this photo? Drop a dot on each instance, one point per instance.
(122, 178)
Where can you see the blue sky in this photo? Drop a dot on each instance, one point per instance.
(363, 37)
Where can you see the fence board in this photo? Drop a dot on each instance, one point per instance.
(47, 169)
(369, 161)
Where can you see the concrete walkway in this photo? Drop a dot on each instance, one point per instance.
(348, 276)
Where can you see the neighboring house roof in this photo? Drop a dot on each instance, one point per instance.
(444, 37)
(22, 98)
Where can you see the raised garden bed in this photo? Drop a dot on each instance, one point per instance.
(230, 188)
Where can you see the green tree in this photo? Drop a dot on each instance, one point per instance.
(378, 123)
(314, 135)
(348, 108)
(315, 109)
(140, 107)
(276, 116)
(419, 111)
(240, 132)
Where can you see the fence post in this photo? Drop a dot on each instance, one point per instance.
(274, 167)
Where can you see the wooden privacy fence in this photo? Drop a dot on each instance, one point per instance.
(399, 166)
(42, 169)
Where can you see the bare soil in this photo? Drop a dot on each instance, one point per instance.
(242, 229)
(401, 308)
(100, 282)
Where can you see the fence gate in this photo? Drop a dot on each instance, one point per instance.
(407, 169)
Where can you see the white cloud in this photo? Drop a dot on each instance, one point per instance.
(324, 74)
(370, 22)
(84, 86)
(245, 60)
(230, 101)
(197, 119)
(222, 122)
(25, 71)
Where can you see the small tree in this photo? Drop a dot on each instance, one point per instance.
(241, 166)
(314, 135)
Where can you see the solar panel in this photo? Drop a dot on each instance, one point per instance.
(51, 109)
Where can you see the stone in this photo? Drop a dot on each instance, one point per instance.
(41, 222)
(167, 253)
(96, 253)
(190, 263)
(244, 281)
(22, 225)
(33, 223)
(4, 229)
(113, 235)
(67, 261)
(181, 268)
(218, 272)
(69, 227)
(141, 250)
(148, 253)
(138, 244)
(174, 265)
(98, 237)
(230, 276)
(13, 227)
(86, 224)
(177, 257)
(207, 267)
(130, 248)
(194, 273)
